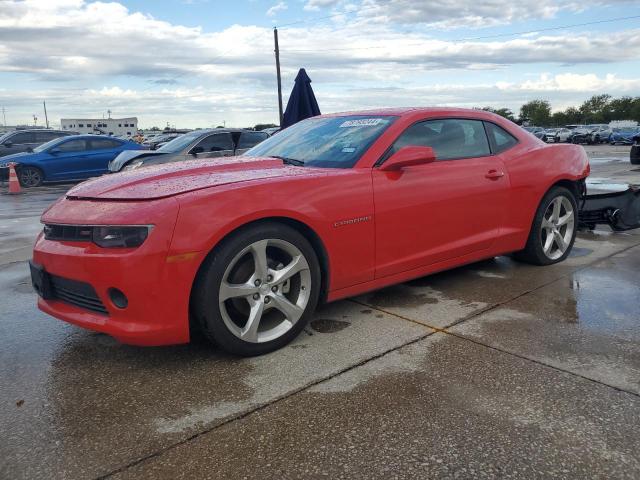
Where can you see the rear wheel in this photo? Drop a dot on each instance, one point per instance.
(30, 176)
(257, 290)
(554, 229)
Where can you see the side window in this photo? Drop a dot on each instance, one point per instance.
(216, 142)
(450, 138)
(72, 146)
(103, 143)
(42, 137)
(502, 140)
(251, 139)
(22, 138)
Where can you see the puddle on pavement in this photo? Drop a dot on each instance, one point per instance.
(580, 252)
(400, 296)
(328, 325)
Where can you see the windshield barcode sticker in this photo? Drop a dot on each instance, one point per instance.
(363, 122)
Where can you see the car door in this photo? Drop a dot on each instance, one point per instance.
(68, 160)
(19, 142)
(214, 145)
(450, 208)
(249, 140)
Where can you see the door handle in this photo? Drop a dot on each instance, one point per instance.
(494, 175)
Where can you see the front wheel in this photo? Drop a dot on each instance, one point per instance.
(257, 290)
(554, 229)
(30, 176)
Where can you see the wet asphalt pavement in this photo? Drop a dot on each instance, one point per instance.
(493, 370)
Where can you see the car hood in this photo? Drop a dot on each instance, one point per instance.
(123, 157)
(171, 179)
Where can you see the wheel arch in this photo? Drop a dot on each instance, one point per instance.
(577, 187)
(42, 171)
(309, 233)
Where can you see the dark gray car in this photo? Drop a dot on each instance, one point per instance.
(26, 140)
(217, 142)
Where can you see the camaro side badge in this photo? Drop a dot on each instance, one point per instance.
(351, 221)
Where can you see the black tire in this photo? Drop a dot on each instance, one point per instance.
(30, 176)
(533, 252)
(205, 307)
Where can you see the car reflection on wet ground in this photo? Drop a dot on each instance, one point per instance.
(496, 369)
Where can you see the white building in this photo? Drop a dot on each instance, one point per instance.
(105, 126)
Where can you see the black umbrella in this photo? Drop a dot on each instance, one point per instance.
(302, 102)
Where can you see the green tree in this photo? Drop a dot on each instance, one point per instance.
(537, 112)
(596, 109)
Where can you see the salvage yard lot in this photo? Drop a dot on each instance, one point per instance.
(495, 369)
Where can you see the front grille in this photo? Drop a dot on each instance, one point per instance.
(77, 293)
(71, 233)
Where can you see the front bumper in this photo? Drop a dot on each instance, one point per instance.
(157, 287)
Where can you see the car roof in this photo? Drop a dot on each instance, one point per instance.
(90, 136)
(221, 130)
(41, 130)
(405, 111)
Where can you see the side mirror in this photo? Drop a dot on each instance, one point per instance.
(54, 151)
(196, 150)
(409, 156)
(8, 144)
(29, 150)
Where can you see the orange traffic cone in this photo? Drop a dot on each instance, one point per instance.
(14, 183)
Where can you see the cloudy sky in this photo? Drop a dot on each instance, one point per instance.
(201, 62)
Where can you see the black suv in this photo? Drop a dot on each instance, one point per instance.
(26, 140)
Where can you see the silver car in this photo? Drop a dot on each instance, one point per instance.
(217, 142)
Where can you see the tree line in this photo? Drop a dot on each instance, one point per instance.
(598, 109)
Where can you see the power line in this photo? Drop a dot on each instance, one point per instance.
(485, 37)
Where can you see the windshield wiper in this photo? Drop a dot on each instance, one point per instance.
(288, 161)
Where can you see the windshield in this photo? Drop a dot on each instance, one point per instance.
(179, 143)
(4, 136)
(49, 144)
(330, 142)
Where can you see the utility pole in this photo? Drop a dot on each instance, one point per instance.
(275, 39)
(46, 118)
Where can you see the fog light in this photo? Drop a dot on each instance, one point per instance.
(118, 298)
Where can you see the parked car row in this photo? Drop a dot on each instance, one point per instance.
(52, 155)
(587, 134)
(219, 142)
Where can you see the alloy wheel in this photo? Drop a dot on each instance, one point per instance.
(557, 227)
(30, 177)
(265, 290)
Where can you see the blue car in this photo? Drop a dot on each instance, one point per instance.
(623, 135)
(68, 158)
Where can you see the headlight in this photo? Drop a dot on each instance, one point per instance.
(133, 165)
(120, 236)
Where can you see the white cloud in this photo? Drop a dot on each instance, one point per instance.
(197, 77)
(315, 5)
(278, 7)
(207, 106)
(481, 13)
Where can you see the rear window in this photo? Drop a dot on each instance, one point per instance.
(501, 139)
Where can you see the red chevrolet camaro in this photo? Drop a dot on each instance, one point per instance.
(244, 248)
